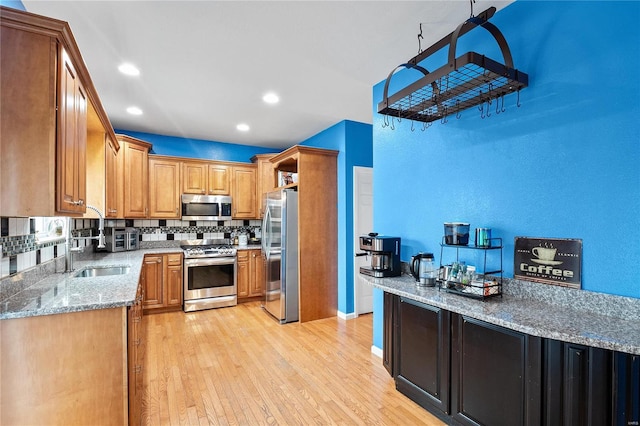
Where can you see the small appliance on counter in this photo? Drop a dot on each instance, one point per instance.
(121, 239)
(423, 269)
(385, 255)
(456, 233)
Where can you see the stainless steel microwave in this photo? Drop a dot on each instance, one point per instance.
(206, 207)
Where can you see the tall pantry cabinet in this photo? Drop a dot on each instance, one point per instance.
(317, 188)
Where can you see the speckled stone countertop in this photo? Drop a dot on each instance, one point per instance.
(601, 324)
(62, 293)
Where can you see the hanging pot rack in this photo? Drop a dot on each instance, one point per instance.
(466, 81)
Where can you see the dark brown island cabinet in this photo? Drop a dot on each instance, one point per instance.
(470, 372)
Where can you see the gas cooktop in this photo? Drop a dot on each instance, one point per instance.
(207, 248)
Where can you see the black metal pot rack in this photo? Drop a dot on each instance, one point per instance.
(469, 80)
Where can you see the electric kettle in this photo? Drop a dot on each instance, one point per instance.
(423, 269)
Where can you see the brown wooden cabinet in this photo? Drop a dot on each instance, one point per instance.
(71, 139)
(205, 178)
(266, 180)
(136, 354)
(47, 95)
(163, 282)
(66, 369)
(219, 180)
(112, 205)
(317, 227)
(135, 166)
(243, 192)
(250, 274)
(164, 188)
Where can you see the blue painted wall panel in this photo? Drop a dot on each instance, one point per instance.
(563, 165)
(353, 141)
(197, 148)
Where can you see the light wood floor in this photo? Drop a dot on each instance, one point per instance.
(237, 366)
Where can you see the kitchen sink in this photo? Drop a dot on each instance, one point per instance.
(101, 271)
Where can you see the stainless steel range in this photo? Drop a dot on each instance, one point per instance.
(209, 274)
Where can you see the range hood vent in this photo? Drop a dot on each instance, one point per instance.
(469, 80)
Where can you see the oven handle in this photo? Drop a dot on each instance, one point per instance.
(208, 261)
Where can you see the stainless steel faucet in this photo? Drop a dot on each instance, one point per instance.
(69, 250)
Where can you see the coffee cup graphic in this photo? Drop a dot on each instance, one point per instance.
(544, 253)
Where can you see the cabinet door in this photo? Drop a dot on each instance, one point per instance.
(578, 384)
(164, 189)
(194, 178)
(135, 181)
(173, 280)
(219, 179)
(111, 179)
(153, 290)
(242, 278)
(423, 354)
(265, 182)
(243, 187)
(72, 140)
(389, 333)
(495, 374)
(256, 281)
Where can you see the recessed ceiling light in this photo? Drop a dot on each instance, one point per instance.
(243, 127)
(271, 98)
(129, 69)
(133, 110)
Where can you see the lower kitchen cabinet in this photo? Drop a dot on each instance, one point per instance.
(470, 372)
(163, 282)
(136, 354)
(78, 368)
(495, 374)
(422, 361)
(250, 278)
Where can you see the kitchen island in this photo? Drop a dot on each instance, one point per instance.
(537, 355)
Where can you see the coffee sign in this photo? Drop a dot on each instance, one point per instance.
(547, 260)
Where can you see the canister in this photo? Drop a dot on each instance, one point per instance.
(483, 237)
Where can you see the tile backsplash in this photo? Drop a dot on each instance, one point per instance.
(21, 249)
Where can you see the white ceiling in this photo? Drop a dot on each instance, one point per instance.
(205, 65)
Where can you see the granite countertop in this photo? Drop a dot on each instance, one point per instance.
(529, 315)
(62, 293)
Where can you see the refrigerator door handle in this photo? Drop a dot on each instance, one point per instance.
(266, 223)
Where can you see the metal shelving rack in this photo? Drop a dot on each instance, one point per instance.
(475, 291)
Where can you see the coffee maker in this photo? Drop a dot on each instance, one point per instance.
(385, 255)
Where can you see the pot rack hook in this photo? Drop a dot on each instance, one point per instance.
(481, 107)
(518, 101)
(458, 115)
(412, 128)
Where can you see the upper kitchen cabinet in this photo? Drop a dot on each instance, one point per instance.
(266, 181)
(113, 203)
(317, 187)
(134, 161)
(205, 178)
(243, 192)
(47, 100)
(164, 188)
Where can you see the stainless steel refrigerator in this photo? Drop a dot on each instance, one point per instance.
(280, 247)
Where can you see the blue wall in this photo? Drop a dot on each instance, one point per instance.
(16, 4)
(563, 165)
(197, 148)
(353, 141)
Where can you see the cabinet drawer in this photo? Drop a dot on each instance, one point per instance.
(174, 259)
(243, 255)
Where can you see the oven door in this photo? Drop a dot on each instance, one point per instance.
(209, 277)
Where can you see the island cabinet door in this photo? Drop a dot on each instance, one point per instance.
(495, 374)
(423, 354)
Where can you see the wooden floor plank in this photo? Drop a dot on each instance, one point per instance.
(237, 366)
